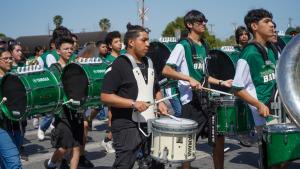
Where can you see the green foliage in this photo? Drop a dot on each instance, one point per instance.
(57, 20)
(229, 41)
(104, 24)
(172, 26)
(298, 29)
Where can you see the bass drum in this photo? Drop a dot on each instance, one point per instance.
(82, 82)
(221, 65)
(31, 93)
(159, 54)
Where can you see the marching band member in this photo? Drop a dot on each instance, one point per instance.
(189, 70)
(120, 91)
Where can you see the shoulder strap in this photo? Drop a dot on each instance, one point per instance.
(274, 49)
(193, 48)
(131, 59)
(150, 63)
(261, 50)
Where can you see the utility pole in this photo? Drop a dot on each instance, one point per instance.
(234, 24)
(142, 13)
(290, 22)
(211, 27)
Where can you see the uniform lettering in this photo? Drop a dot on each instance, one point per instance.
(269, 77)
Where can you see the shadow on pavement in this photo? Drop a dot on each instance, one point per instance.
(248, 158)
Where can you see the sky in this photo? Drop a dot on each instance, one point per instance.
(33, 17)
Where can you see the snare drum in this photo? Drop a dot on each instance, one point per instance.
(232, 116)
(281, 143)
(82, 82)
(30, 92)
(173, 141)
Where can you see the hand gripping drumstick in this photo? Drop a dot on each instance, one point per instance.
(218, 91)
(4, 99)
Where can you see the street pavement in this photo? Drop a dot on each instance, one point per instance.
(237, 157)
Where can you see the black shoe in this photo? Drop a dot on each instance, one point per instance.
(46, 164)
(23, 155)
(83, 162)
(64, 164)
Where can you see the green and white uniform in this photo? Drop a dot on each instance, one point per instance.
(257, 78)
(181, 59)
(48, 58)
(110, 59)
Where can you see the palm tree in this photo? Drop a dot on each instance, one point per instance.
(57, 20)
(104, 24)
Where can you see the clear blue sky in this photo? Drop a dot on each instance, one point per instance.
(32, 17)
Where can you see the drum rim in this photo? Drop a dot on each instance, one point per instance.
(269, 129)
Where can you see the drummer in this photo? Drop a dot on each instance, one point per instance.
(68, 132)
(182, 66)
(120, 91)
(254, 82)
(9, 130)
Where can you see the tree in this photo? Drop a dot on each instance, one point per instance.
(172, 26)
(104, 24)
(57, 20)
(229, 41)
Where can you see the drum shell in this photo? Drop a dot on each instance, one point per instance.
(89, 83)
(175, 144)
(281, 145)
(34, 93)
(233, 116)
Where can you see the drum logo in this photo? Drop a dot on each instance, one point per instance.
(99, 71)
(190, 145)
(42, 79)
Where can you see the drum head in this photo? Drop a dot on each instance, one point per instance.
(159, 54)
(281, 128)
(13, 89)
(75, 82)
(171, 123)
(220, 66)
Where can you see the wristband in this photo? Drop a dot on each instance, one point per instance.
(220, 82)
(132, 104)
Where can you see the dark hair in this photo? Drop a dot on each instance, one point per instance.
(111, 36)
(61, 31)
(239, 31)
(63, 39)
(38, 48)
(133, 32)
(2, 50)
(193, 16)
(11, 44)
(254, 16)
(74, 36)
(99, 43)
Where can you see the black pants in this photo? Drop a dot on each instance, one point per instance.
(128, 143)
(192, 111)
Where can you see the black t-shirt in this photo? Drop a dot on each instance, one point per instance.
(120, 81)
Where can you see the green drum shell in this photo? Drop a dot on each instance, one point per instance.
(232, 116)
(37, 93)
(282, 143)
(93, 75)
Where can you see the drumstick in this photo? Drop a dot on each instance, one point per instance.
(163, 99)
(274, 116)
(218, 91)
(173, 117)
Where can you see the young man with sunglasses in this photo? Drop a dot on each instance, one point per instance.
(190, 71)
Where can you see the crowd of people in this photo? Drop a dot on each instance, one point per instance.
(123, 90)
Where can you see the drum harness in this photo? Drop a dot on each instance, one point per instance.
(145, 93)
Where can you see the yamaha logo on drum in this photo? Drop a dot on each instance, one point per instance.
(190, 145)
(42, 79)
(99, 71)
